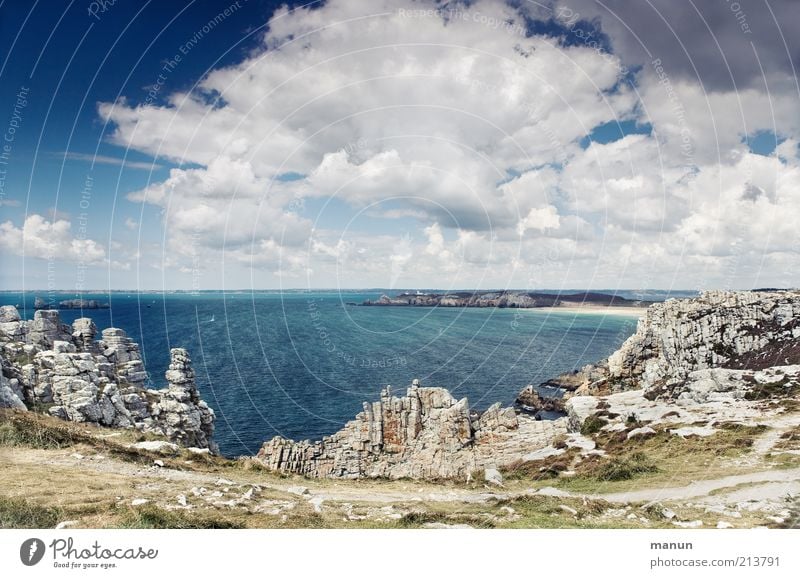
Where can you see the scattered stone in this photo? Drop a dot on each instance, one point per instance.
(317, 502)
(65, 524)
(182, 500)
(692, 524)
(139, 502)
(443, 526)
(493, 476)
(568, 510)
(722, 525)
(158, 463)
(641, 431)
(297, 490)
(157, 446)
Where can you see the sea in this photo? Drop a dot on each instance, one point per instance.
(300, 364)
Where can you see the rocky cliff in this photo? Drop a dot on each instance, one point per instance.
(63, 370)
(424, 434)
(727, 329)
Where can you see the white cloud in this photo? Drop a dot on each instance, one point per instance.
(474, 132)
(42, 239)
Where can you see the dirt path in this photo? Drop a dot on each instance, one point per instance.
(767, 485)
(706, 487)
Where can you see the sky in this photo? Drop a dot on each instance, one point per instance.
(399, 144)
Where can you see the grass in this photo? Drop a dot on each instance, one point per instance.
(619, 468)
(662, 458)
(592, 424)
(153, 517)
(20, 513)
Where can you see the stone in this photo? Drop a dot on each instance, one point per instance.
(157, 446)
(722, 525)
(568, 510)
(298, 490)
(139, 502)
(66, 524)
(690, 524)
(9, 314)
(641, 432)
(493, 476)
(158, 463)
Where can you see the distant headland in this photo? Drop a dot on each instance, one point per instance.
(505, 299)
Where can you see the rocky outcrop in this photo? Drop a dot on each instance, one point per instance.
(52, 367)
(530, 400)
(40, 303)
(736, 329)
(424, 434)
(707, 397)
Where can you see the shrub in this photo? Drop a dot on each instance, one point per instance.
(625, 468)
(592, 425)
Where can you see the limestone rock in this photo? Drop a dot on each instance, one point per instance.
(728, 329)
(102, 382)
(424, 434)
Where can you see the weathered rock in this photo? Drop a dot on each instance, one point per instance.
(82, 380)
(733, 329)
(493, 476)
(425, 434)
(530, 400)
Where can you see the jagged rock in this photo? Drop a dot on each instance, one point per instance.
(83, 380)
(46, 328)
(180, 414)
(83, 333)
(530, 400)
(9, 314)
(425, 434)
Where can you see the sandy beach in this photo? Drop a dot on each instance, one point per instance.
(593, 310)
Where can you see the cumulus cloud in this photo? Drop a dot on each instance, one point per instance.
(469, 130)
(42, 239)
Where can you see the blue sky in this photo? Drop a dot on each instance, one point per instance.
(388, 144)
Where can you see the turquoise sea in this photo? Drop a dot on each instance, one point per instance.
(300, 364)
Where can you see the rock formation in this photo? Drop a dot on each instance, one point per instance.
(736, 329)
(424, 434)
(47, 365)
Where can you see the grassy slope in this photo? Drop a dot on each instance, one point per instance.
(52, 471)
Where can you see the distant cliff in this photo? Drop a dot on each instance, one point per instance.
(40, 303)
(501, 299)
(62, 370)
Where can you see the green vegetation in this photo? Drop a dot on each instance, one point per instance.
(625, 468)
(153, 517)
(592, 425)
(19, 513)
